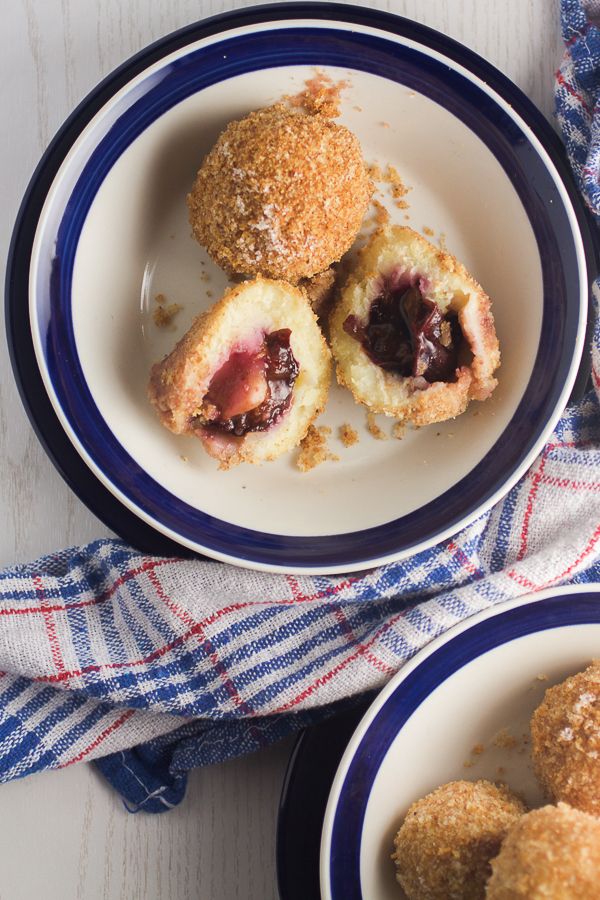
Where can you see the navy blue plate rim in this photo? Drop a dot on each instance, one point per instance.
(267, 549)
(306, 778)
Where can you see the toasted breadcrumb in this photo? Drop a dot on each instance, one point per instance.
(398, 430)
(477, 750)
(164, 316)
(383, 216)
(322, 96)
(315, 448)
(349, 436)
(505, 741)
(428, 231)
(374, 427)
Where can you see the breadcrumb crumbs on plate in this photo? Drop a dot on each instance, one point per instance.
(374, 428)
(349, 436)
(164, 317)
(398, 430)
(477, 750)
(505, 741)
(322, 95)
(383, 216)
(428, 231)
(314, 448)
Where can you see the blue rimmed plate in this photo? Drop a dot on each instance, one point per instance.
(103, 231)
(475, 687)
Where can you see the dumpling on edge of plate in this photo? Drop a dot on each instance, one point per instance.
(413, 334)
(249, 377)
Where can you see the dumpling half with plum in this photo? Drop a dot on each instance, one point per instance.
(413, 334)
(249, 377)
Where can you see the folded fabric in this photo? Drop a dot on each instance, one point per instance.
(577, 94)
(152, 666)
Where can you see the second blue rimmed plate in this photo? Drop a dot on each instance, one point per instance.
(459, 710)
(104, 231)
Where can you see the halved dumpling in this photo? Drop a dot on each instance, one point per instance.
(413, 334)
(250, 375)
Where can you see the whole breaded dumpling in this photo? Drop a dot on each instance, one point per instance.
(249, 377)
(444, 847)
(281, 194)
(413, 334)
(565, 730)
(552, 853)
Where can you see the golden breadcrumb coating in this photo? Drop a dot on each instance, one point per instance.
(551, 853)
(281, 194)
(230, 338)
(444, 847)
(565, 730)
(398, 255)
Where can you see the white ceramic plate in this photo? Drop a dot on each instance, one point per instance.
(484, 176)
(476, 684)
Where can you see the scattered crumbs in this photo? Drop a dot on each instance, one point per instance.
(394, 856)
(314, 448)
(386, 124)
(542, 677)
(374, 428)
(398, 430)
(204, 276)
(468, 764)
(383, 216)
(477, 750)
(442, 243)
(163, 316)
(358, 109)
(476, 413)
(349, 436)
(399, 190)
(209, 293)
(428, 231)
(185, 459)
(505, 741)
(172, 236)
(450, 434)
(407, 217)
(375, 172)
(322, 95)
(500, 770)
(243, 487)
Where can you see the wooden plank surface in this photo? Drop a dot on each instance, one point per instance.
(66, 834)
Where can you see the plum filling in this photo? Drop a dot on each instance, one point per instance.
(252, 390)
(409, 335)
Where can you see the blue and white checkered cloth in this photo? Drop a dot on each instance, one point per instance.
(153, 666)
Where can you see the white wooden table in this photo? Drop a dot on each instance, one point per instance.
(66, 834)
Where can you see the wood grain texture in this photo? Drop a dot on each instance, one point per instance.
(65, 834)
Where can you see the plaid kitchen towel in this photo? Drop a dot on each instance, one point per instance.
(152, 666)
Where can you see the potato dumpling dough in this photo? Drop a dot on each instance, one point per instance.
(551, 853)
(249, 377)
(565, 731)
(281, 194)
(413, 334)
(444, 847)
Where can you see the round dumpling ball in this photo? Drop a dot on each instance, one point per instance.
(565, 731)
(552, 852)
(281, 194)
(444, 847)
